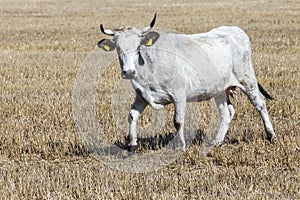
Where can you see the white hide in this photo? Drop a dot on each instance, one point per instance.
(179, 68)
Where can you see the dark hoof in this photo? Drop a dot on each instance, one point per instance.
(132, 149)
(272, 139)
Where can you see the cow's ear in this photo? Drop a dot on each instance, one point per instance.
(150, 38)
(107, 45)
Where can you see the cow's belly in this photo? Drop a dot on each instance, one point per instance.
(204, 89)
(199, 97)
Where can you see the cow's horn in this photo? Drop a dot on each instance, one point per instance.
(148, 28)
(107, 31)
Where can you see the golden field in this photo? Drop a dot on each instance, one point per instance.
(42, 156)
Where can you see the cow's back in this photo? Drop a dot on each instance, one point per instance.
(240, 48)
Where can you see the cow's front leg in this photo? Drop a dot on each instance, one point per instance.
(136, 110)
(179, 121)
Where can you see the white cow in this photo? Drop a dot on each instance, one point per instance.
(167, 67)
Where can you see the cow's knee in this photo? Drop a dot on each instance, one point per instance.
(177, 125)
(132, 119)
(133, 116)
(178, 122)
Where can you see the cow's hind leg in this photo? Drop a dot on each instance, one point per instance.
(226, 114)
(230, 108)
(258, 101)
(136, 110)
(179, 115)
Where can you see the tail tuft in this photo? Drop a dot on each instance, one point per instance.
(264, 92)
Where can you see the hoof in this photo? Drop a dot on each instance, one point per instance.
(178, 146)
(272, 139)
(180, 149)
(214, 143)
(133, 148)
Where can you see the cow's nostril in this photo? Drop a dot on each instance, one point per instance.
(128, 74)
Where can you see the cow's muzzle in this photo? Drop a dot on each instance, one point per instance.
(128, 74)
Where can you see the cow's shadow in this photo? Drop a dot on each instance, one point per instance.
(160, 141)
(121, 149)
(157, 142)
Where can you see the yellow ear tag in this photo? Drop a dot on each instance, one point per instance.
(149, 43)
(106, 47)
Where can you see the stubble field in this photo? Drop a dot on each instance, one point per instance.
(42, 47)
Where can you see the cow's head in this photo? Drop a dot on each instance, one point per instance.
(128, 41)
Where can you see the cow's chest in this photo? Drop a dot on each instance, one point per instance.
(155, 94)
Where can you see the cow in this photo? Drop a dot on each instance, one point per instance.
(168, 67)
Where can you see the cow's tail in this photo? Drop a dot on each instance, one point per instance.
(264, 92)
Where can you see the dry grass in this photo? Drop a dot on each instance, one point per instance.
(43, 43)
